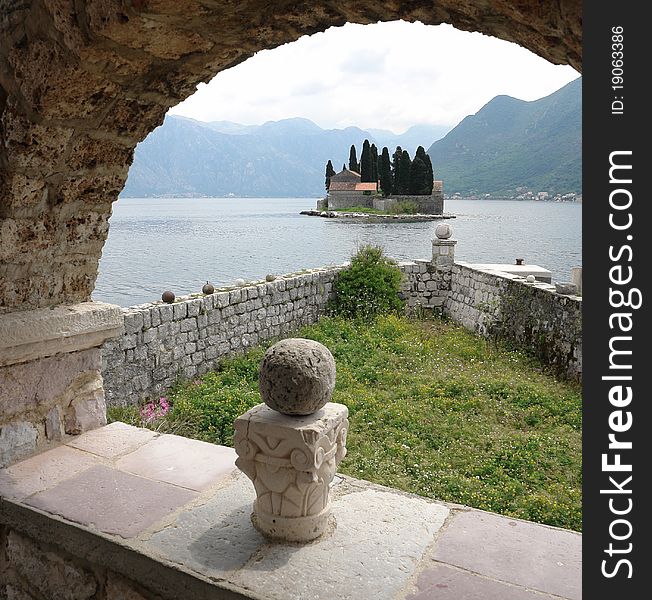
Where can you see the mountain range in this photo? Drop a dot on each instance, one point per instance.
(184, 157)
(509, 143)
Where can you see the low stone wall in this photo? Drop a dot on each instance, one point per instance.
(163, 343)
(530, 315)
(429, 205)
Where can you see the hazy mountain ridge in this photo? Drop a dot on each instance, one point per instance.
(511, 143)
(507, 144)
(184, 157)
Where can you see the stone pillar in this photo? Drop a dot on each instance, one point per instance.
(443, 248)
(50, 374)
(290, 447)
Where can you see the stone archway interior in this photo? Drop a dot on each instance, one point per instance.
(81, 83)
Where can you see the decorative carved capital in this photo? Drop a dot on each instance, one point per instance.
(291, 462)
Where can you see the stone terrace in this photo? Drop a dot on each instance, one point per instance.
(171, 516)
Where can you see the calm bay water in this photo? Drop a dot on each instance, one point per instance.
(180, 243)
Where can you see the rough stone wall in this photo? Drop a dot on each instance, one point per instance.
(338, 200)
(43, 400)
(163, 343)
(33, 570)
(531, 316)
(429, 205)
(81, 83)
(166, 342)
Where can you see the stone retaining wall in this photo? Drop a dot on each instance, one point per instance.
(530, 315)
(166, 342)
(163, 343)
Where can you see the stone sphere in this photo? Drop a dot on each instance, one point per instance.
(168, 297)
(208, 288)
(297, 376)
(443, 231)
(530, 279)
(239, 282)
(270, 277)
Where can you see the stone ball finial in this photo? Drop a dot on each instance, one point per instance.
(296, 376)
(443, 231)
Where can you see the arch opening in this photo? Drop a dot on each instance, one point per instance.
(83, 84)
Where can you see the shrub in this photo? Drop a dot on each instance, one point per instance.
(368, 287)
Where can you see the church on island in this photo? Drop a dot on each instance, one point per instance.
(377, 183)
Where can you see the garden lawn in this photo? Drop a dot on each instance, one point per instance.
(433, 410)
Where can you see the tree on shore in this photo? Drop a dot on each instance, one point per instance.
(396, 159)
(402, 182)
(330, 171)
(374, 163)
(418, 177)
(385, 172)
(423, 155)
(366, 167)
(353, 160)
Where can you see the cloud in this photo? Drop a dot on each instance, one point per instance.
(387, 76)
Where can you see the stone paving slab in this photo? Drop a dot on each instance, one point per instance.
(180, 461)
(111, 501)
(442, 582)
(43, 471)
(379, 540)
(112, 441)
(518, 552)
(215, 538)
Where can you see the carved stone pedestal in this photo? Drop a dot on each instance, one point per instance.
(291, 461)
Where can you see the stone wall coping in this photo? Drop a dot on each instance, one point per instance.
(232, 288)
(540, 285)
(32, 334)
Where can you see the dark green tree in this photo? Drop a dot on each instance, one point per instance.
(353, 160)
(396, 160)
(418, 177)
(423, 155)
(385, 172)
(366, 167)
(374, 163)
(402, 181)
(330, 171)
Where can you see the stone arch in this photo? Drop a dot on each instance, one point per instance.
(81, 83)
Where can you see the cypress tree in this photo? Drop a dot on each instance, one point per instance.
(329, 173)
(374, 163)
(353, 160)
(366, 168)
(385, 172)
(418, 177)
(402, 184)
(423, 155)
(396, 160)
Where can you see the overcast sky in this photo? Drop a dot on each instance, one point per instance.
(387, 76)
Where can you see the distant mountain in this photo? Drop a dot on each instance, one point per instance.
(411, 139)
(184, 157)
(512, 143)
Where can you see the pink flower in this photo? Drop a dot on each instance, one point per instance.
(155, 410)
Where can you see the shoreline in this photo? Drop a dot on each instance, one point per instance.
(357, 216)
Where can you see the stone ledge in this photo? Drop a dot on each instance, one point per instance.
(33, 334)
(386, 544)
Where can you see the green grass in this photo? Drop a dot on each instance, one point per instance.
(434, 410)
